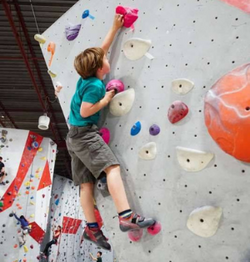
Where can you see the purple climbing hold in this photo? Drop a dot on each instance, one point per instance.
(72, 31)
(154, 130)
(116, 85)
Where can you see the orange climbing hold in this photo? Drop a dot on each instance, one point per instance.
(15, 246)
(242, 4)
(227, 113)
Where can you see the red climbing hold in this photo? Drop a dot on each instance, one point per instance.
(135, 235)
(154, 229)
(177, 111)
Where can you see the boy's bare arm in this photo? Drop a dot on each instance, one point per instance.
(92, 257)
(117, 24)
(88, 109)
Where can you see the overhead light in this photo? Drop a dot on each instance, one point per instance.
(43, 122)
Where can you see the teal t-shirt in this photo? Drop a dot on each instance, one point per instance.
(89, 90)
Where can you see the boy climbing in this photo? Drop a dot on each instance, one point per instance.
(89, 153)
(25, 229)
(98, 257)
(2, 172)
(56, 234)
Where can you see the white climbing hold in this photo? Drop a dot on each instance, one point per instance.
(136, 48)
(182, 86)
(148, 152)
(204, 221)
(193, 160)
(122, 102)
(40, 38)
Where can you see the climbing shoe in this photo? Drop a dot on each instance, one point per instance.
(96, 236)
(134, 222)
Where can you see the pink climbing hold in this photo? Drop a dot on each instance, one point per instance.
(135, 235)
(177, 111)
(130, 15)
(116, 85)
(105, 134)
(242, 4)
(154, 229)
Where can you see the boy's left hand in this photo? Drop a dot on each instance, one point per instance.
(118, 21)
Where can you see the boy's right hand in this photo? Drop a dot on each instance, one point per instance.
(108, 96)
(118, 21)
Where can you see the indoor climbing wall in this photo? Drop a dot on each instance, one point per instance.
(66, 211)
(172, 168)
(29, 164)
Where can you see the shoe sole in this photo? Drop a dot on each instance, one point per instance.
(134, 227)
(90, 240)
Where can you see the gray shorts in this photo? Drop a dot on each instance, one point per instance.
(90, 155)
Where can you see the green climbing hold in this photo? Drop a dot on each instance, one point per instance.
(1, 204)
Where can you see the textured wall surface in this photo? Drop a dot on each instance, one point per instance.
(67, 212)
(199, 40)
(27, 191)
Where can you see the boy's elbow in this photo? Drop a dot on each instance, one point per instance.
(84, 114)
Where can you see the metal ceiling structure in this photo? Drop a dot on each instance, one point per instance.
(26, 90)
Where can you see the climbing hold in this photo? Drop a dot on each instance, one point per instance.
(32, 203)
(25, 249)
(116, 85)
(1, 204)
(51, 48)
(154, 229)
(136, 128)
(72, 31)
(58, 88)
(193, 160)
(27, 192)
(227, 113)
(122, 102)
(43, 195)
(87, 14)
(31, 246)
(130, 15)
(15, 246)
(9, 193)
(27, 183)
(177, 111)
(32, 215)
(154, 130)
(148, 152)
(242, 4)
(39, 38)
(35, 145)
(204, 221)
(11, 215)
(136, 48)
(182, 86)
(135, 235)
(56, 196)
(40, 149)
(52, 74)
(57, 201)
(105, 134)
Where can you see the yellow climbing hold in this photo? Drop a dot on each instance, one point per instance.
(27, 183)
(43, 158)
(25, 249)
(32, 203)
(37, 176)
(32, 215)
(40, 149)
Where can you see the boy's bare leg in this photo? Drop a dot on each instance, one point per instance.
(87, 201)
(116, 188)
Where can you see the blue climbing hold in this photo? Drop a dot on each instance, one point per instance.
(31, 197)
(57, 201)
(87, 14)
(60, 214)
(35, 144)
(136, 128)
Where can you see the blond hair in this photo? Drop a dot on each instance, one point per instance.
(89, 61)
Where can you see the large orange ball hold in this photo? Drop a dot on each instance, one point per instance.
(227, 113)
